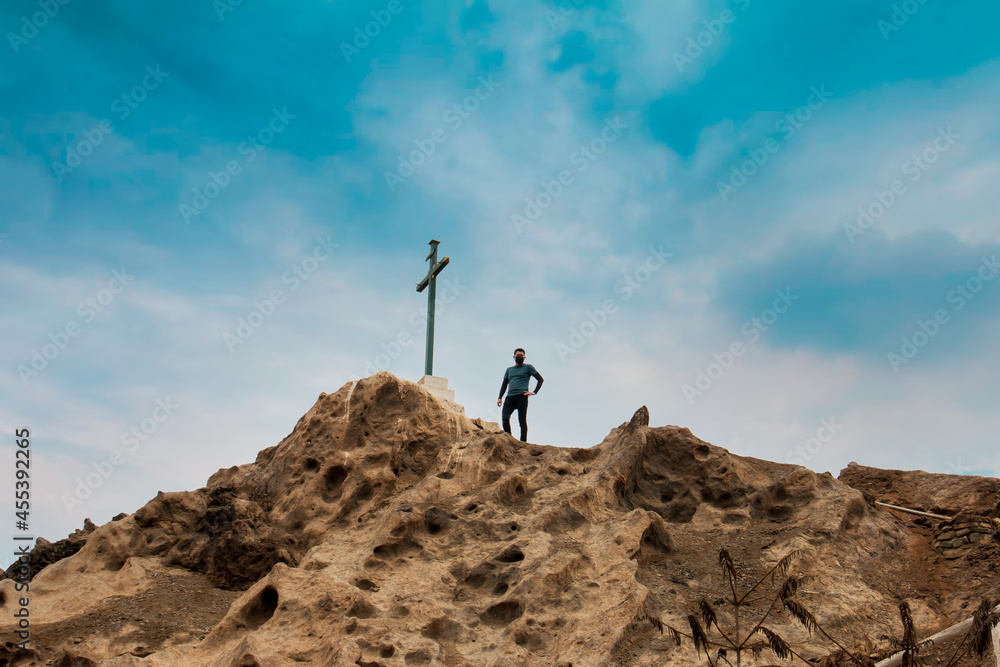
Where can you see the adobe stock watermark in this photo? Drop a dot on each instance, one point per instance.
(752, 329)
(122, 106)
(704, 39)
(959, 297)
(30, 25)
(955, 467)
(454, 117)
(802, 454)
(381, 18)
(88, 310)
(492, 412)
(223, 7)
(263, 309)
(900, 16)
(581, 334)
(788, 125)
(562, 12)
(915, 168)
(448, 292)
(218, 181)
(582, 158)
(103, 469)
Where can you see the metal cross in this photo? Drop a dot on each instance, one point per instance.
(431, 279)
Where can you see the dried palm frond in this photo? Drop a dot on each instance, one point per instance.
(653, 620)
(909, 636)
(740, 603)
(789, 588)
(982, 627)
(802, 614)
(777, 645)
(708, 614)
(755, 649)
(698, 634)
(726, 562)
(832, 660)
(782, 567)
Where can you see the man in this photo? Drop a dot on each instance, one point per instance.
(517, 398)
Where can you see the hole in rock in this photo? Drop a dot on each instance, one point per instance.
(333, 482)
(419, 657)
(365, 585)
(503, 613)
(260, 610)
(511, 554)
(361, 609)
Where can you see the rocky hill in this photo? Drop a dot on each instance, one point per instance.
(388, 530)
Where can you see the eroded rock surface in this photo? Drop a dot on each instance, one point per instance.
(386, 529)
(930, 492)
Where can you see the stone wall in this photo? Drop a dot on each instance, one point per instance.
(956, 537)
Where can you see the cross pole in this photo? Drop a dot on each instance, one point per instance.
(431, 280)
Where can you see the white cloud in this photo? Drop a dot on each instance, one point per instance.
(165, 335)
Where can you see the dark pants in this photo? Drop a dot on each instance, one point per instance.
(519, 403)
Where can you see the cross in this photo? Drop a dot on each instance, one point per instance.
(431, 279)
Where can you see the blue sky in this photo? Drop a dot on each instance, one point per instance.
(659, 201)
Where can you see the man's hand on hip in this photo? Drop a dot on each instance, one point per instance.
(529, 393)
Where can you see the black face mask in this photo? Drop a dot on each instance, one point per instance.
(519, 359)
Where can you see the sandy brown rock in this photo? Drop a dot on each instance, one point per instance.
(929, 492)
(386, 529)
(45, 553)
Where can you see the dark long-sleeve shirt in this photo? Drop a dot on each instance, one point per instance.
(517, 377)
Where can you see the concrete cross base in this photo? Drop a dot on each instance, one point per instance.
(438, 387)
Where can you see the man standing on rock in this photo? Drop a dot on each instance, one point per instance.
(517, 398)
